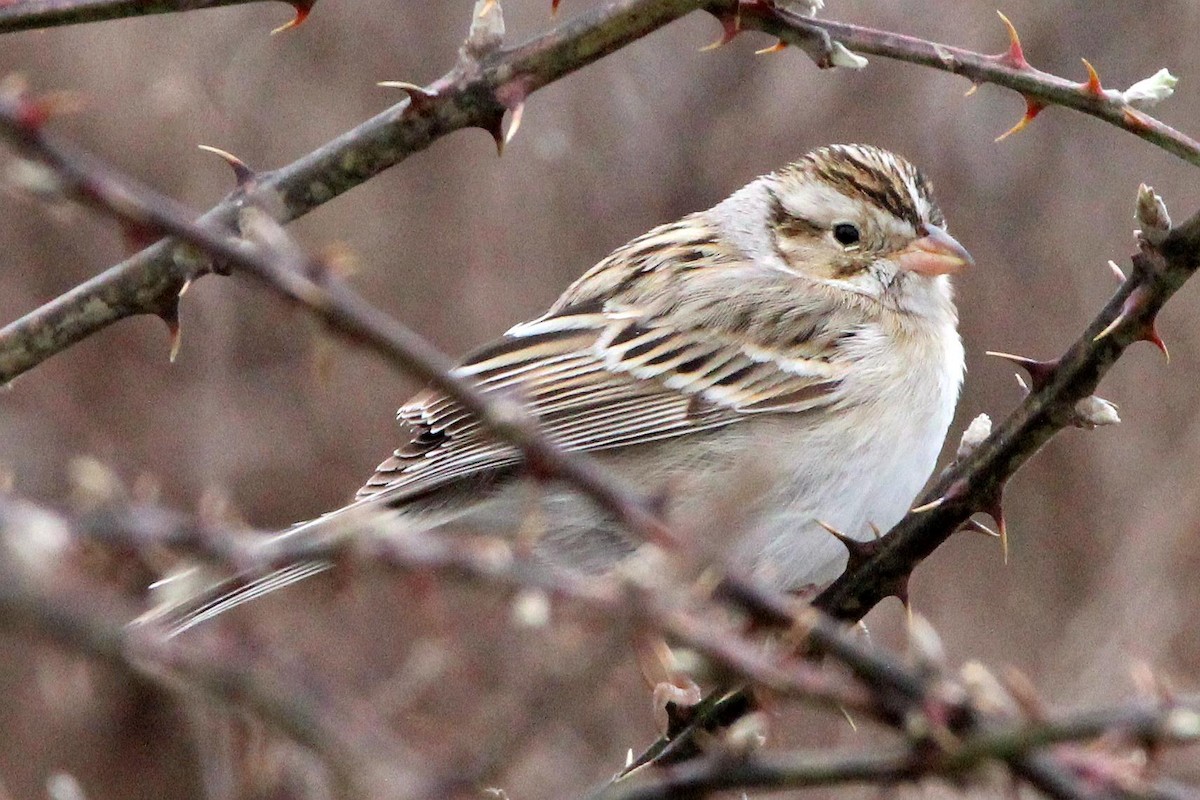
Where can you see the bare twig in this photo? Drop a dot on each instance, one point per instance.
(718, 770)
(1009, 69)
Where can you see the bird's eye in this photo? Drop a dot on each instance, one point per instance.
(846, 233)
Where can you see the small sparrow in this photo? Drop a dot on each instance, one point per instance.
(807, 319)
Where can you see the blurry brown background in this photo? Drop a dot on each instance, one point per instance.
(458, 244)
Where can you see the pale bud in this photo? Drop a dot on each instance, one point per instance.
(979, 429)
(1094, 412)
(1152, 90)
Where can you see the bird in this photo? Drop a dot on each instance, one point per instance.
(807, 320)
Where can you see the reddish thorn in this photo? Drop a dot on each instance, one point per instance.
(731, 26)
(1040, 372)
(1150, 334)
(1015, 56)
(1148, 328)
(242, 174)
(1135, 119)
(1093, 82)
(553, 7)
(778, 47)
(1032, 109)
(303, 7)
(418, 97)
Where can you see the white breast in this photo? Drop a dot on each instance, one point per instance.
(864, 467)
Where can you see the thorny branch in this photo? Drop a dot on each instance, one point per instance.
(488, 82)
(923, 701)
(477, 93)
(23, 15)
(280, 266)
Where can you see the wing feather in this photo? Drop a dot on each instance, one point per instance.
(605, 380)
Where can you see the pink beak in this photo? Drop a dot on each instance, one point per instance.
(935, 253)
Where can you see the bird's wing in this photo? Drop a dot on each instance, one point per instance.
(598, 377)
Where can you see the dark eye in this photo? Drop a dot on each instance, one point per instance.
(846, 233)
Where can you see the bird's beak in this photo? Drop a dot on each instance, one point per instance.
(935, 253)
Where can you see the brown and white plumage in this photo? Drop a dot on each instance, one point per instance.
(808, 313)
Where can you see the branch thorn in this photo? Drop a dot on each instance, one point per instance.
(974, 88)
(1032, 109)
(731, 26)
(242, 174)
(418, 96)
(1015, 56)
(1148, 330)
(303, 8)
(859, 551)
(930, 506)
(778, 47)
(978, 527)
(170, 316)
(518, 111)
(1117, 272)
(1040, 372)
(994, 508)
(1093, 82)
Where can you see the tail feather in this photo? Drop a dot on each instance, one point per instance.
(176, 616)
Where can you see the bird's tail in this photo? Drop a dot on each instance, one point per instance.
(176, 615)
(192, 596)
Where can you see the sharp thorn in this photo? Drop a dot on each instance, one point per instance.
(514, 124)
(1032, 109)
(1112, 326)
(841, 537)
(303, 8)
(1093, 82)
(187, 284)
(1118, 273)
(1016, 54)
(731, 26)
(930, 506)
(974, 88)
(485, 8)
(979, 527)
(242, 174)
(778, 47)
(1151, 335)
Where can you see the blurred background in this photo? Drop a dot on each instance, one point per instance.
(458, 244)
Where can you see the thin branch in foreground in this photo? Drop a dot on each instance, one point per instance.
(23, 15)
(363, 756)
